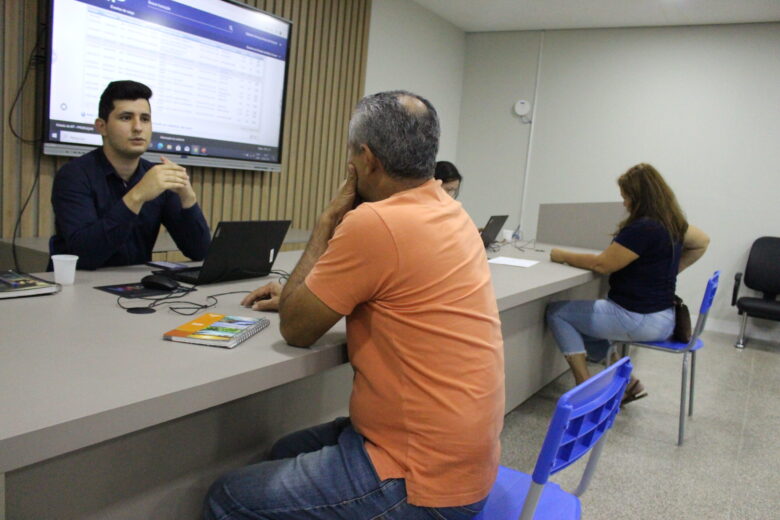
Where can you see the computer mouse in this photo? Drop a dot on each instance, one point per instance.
(158, 281)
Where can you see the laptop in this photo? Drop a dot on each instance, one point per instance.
(238, 250)
(491, 229)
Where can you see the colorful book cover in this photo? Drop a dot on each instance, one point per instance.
(217, 330)
(13, 284)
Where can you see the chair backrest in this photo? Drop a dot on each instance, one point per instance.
(583, 415)
(762, 272)
(706, 303)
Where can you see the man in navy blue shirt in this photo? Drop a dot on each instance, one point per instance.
(109, 203)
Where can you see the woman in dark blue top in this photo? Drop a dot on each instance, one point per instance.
(650, 247)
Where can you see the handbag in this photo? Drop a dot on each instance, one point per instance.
(682, 321)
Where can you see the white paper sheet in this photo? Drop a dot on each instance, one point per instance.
(516, 262)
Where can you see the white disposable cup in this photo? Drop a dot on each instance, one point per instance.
(507, 234)
(64, 268)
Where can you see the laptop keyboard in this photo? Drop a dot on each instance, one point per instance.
(186, 275)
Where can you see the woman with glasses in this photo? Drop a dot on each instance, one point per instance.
(450, 178)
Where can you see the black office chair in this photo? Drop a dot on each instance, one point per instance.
(762, 274)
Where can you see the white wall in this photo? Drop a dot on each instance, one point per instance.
(500, 69)
(411, 48)
(700, 103)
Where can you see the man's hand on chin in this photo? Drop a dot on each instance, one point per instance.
(344, 200)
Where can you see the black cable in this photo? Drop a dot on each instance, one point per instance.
(24, 206)
(182, 307)
(529, 245)
(193, 307)
(176, 293)
(34, 59)
(283, 276)
(494, 247)
(229, 275)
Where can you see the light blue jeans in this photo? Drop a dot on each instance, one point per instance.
(581, 326)
(319, 473)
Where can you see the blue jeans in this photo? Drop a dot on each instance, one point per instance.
(581, 326)
(319, 473)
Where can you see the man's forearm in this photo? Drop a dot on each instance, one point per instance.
(188, 228)
(133, 201)
(317, 245)
(187, 198)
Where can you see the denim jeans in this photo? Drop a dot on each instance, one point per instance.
(581, 326)
(319, 473)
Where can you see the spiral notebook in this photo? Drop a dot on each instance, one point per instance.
(217, 330)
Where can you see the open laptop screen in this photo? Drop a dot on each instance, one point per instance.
(491, 229)
(239, 250)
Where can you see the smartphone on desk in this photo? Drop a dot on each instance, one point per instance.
(168, 266)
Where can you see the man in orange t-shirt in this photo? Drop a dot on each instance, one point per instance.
(408, 269)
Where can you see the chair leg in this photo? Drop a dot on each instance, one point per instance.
(531, 500)
(590, 468)
(740, 344)
(683, 394)
(690, 391)
(610, 353)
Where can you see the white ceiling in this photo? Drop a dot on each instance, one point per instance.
(518, 15)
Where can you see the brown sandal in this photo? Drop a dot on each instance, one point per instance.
(633, 392)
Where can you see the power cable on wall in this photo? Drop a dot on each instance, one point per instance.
(37, 58)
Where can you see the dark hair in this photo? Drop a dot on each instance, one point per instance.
(447, 172)
(122, 90)
(650, 197)
(404, 139)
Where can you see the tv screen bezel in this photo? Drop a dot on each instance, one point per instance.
(76, 150)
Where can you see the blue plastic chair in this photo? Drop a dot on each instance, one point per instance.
(684, 348)
(581, 420)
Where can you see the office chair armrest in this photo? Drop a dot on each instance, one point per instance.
(737, 282)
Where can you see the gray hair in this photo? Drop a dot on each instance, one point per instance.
(405, 141)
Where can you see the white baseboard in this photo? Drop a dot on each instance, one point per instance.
(756, 329)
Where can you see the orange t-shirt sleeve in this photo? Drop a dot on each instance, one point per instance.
(357, 263)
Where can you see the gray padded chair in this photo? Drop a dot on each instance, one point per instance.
(762, 274)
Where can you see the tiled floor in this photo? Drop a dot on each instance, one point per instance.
(729, 465)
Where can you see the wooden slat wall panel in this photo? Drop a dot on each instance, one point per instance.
(10, 151)
(336, 134)
(329, 50)
(28, 128)
(326, 78)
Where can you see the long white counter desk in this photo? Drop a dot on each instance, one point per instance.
(33, 252)
(100, 418)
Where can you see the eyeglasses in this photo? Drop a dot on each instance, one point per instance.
(453, 192)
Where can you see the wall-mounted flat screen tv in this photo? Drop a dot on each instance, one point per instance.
(217, 69)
